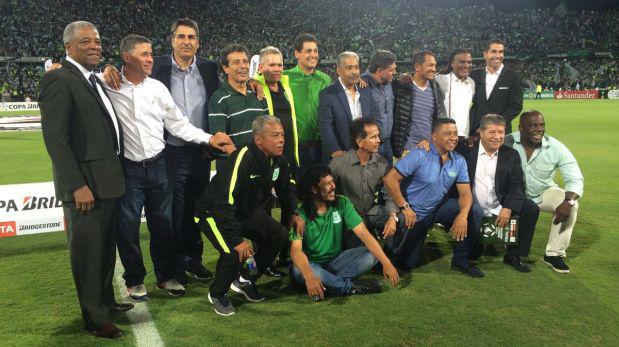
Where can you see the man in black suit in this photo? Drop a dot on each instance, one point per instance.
(84, 141)
(498, 89)
(497, 183)
(191, 80)
(340, 104)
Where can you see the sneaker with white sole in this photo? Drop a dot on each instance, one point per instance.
(248, 289)
(138, 293)
(222, 305)
(172, 287)
(557, 263)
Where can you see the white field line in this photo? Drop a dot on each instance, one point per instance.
(142, 323)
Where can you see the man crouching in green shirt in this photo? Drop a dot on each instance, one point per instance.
(317, 256)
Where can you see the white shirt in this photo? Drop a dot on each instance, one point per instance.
(354, 102)
(491, 78)
(458, 98)
(485, 183)
(144, 110)
(106, 100)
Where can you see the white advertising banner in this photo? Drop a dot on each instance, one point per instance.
(18, 106)
(29, 208)
(613, 94)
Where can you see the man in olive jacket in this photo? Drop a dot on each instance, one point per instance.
(84, 139)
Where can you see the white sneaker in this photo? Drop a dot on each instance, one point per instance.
(173, 287)
(138, 293)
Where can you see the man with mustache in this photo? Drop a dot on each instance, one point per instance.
(541, 156)
(236, 205)
(84, 140)
(341, 103)
(416, 106)
(425, 177)
(498, 90)
(233, 107)
(457, 90)
(145, 109)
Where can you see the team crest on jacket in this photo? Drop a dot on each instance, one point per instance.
(275, 173)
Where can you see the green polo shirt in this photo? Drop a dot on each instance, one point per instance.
(322, 239)
(231, 112)
(540, 169)
(306, 89)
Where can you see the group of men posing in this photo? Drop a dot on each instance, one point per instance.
(121, 141)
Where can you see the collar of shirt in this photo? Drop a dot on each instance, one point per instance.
(455, 78)
(79, 66)
(189, 69)
(482, 151)
(353, 158)
(434, 151)
(424, 87)
(129, 83)
(231, 90)
(498, 72)
(346, 89)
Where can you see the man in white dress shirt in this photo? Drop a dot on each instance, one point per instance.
(145, 108)
(458, 89)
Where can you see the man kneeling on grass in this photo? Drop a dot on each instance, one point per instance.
(317, 256)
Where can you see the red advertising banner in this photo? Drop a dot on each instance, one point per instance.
(577, 94)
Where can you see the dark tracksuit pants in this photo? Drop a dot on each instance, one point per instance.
(266, 233)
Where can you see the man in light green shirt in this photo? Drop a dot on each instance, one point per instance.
(306, 83)
(541, 156)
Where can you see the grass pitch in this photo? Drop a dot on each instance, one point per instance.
(432, 306)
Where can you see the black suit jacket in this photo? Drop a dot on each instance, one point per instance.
(79, 135)
(508, 178)
(505, 99)
(335, 117)
(162, 71)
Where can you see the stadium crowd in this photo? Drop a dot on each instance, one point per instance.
(401, 27)
(144, 136)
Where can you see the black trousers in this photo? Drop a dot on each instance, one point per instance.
(528, 215)
(92, 251)
(267, 234)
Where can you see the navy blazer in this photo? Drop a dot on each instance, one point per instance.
(508, 178)
(335, 117)
(162, 71)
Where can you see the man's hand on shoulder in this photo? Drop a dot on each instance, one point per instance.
(221, 141)
(425, 144)
(111, 76)
(298, 224)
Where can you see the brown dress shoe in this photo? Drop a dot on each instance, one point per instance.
(107, 331)
(121, 307)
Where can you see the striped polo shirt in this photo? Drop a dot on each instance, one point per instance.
(421, 117)
(232, 112)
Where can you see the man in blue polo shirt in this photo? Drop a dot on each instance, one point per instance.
(425, 177)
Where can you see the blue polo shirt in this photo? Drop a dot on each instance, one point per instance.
(425, 182)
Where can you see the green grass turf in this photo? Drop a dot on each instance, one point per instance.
(432, 306)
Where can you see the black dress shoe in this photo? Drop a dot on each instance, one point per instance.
(516, 263)
(470, 270)
(273, 272)
(107, 331)
(121, 307)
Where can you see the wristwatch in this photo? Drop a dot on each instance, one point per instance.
(405, 206)
(570, 202)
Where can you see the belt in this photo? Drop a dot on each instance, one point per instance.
(145, 162)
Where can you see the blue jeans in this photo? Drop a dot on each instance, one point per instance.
(336, 275)
(190, 174)
(147, 186)
(406, 246)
